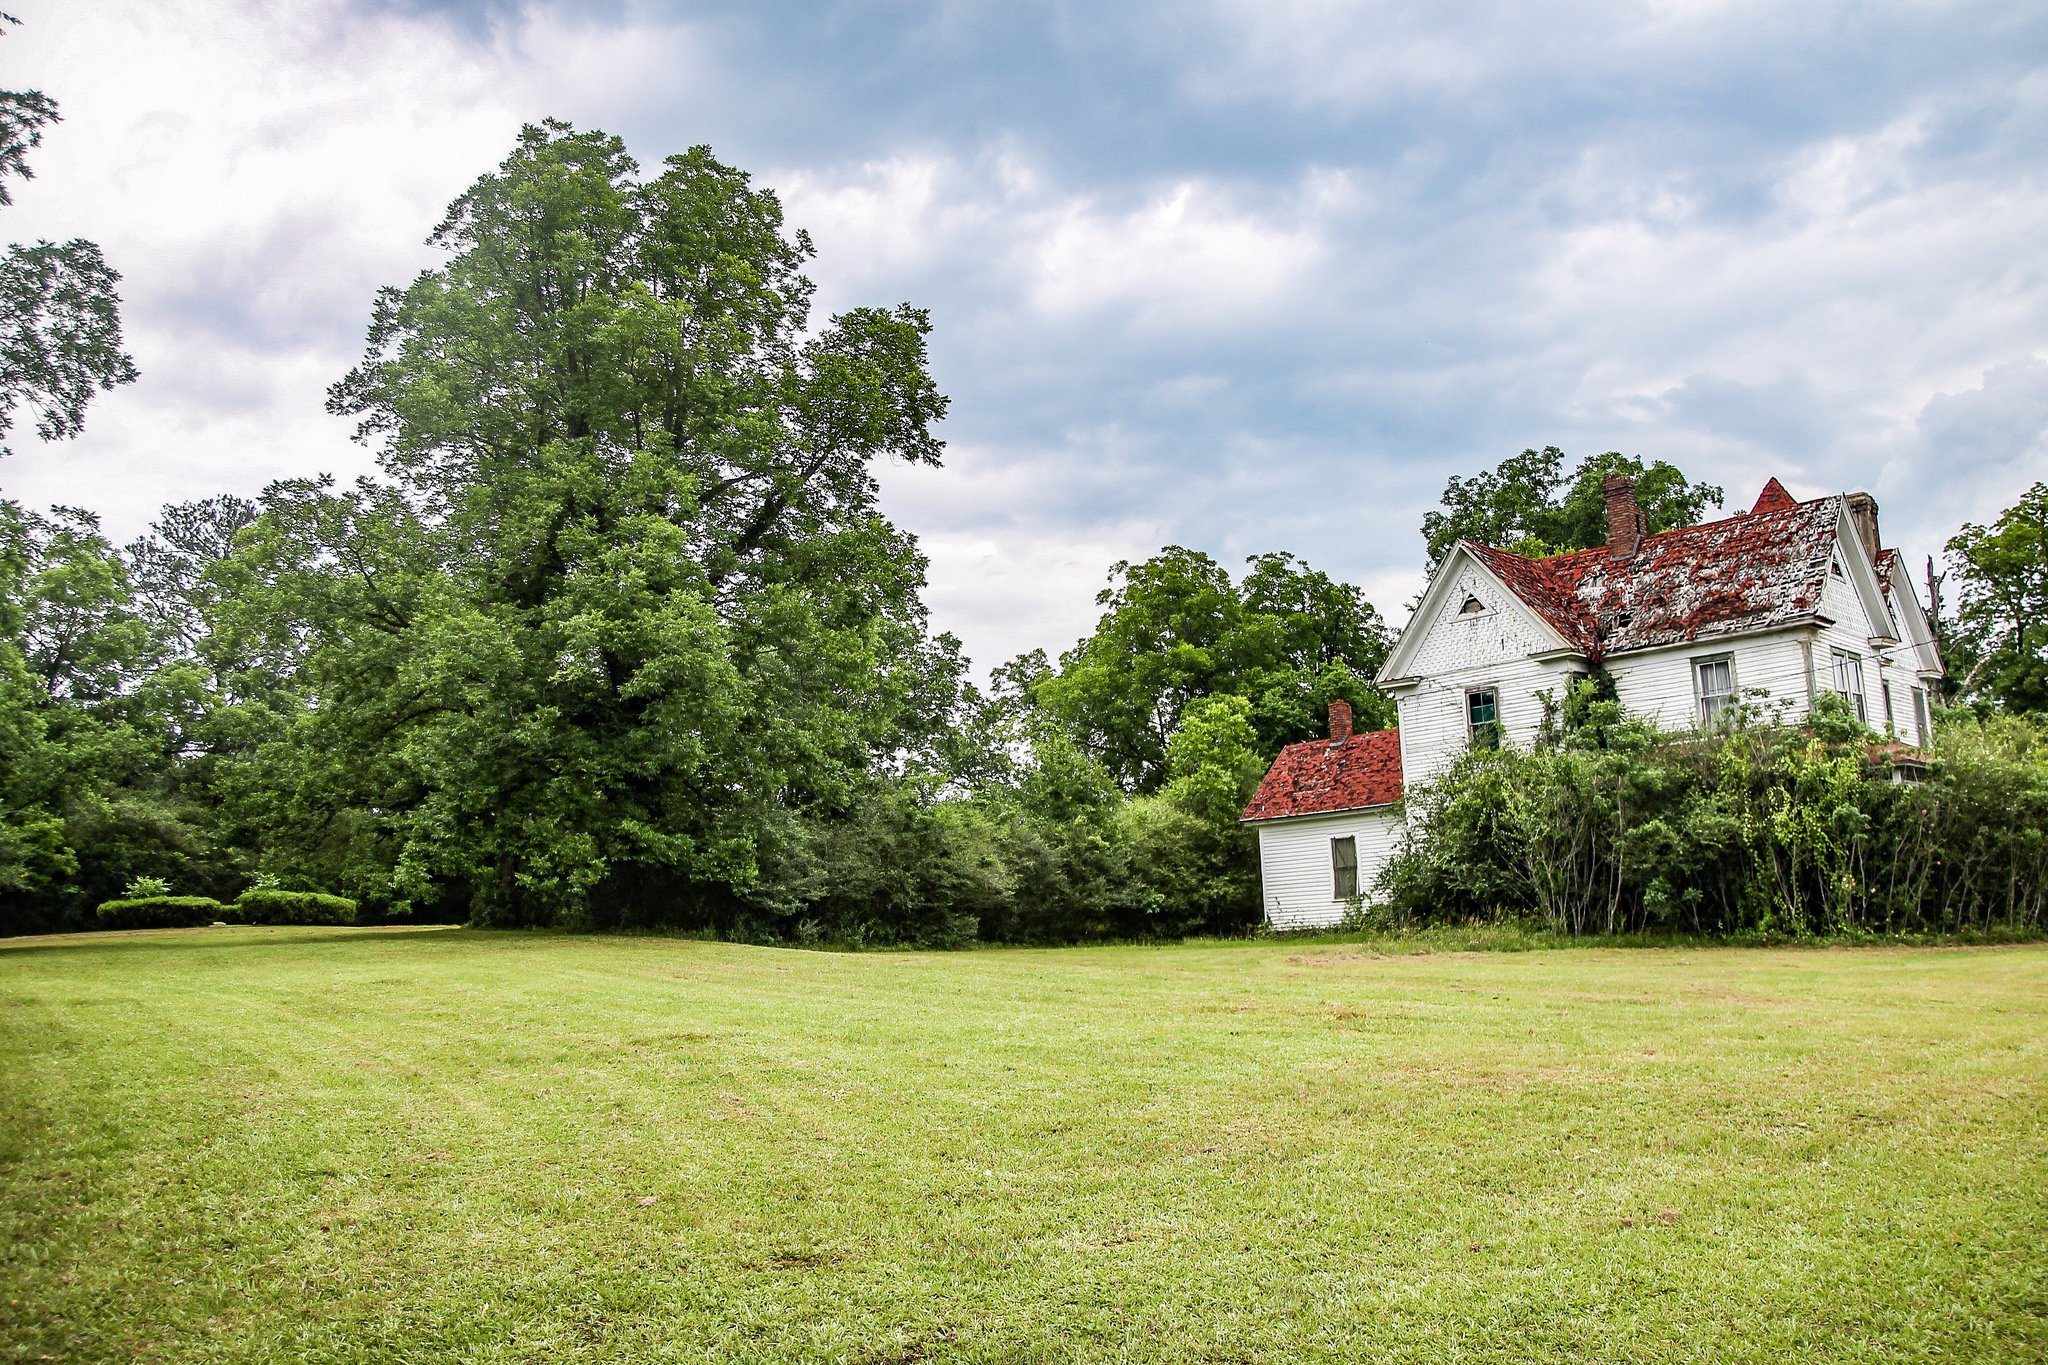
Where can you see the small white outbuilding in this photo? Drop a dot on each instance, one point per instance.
(1770, 607)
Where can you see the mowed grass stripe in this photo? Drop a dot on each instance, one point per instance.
(340, 1145)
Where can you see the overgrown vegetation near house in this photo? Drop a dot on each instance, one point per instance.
(1755, 828)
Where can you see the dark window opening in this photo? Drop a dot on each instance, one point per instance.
(1483, 717)
(1344, 863)
(1473, 606)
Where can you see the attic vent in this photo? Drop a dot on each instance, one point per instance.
(1624, 618)
(1473, 606)
(1835, 567)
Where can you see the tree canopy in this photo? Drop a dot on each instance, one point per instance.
(1999, 646)
(60, 318)
(1286, 638)
(1529, 504)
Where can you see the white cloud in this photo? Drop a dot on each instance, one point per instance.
(1249, 277)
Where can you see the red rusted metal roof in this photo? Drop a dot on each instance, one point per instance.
(1774, 498)
(1324, 776)
(1747, 572)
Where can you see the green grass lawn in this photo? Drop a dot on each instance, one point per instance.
(354, 1145)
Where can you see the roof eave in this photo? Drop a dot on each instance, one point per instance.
(1318, 814)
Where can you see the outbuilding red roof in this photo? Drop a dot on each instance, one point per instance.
(1747, 572)
(1328, 775)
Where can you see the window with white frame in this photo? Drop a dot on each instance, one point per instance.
(1482, 718)
(1891, 725)
(1344, 866)
(1848, 681)
(1920, 715)
(1714, 681)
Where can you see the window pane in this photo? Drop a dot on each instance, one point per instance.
(1483, 718)
(1344, 863)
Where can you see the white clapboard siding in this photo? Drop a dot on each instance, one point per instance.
(1488, 648)
(1659, 684)
(1295, 867)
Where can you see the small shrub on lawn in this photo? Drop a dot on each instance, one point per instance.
(160, 912)
(264, 906)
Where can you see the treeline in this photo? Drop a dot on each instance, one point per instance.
(620, 639)
(1757, 827)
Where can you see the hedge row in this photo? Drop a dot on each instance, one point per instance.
(252, 907)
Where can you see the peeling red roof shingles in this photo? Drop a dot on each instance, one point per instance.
(1744, 573)
(1329, 775)
(1774, 498)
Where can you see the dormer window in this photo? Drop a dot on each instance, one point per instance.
(1473, 606)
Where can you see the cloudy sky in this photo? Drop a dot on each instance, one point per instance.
(1235, 274)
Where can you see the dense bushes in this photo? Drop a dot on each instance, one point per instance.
(1760, 828)
(161, 912)
(261, 905)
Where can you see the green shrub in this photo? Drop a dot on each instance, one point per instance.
(1755, 828)
(161, 912)
(264, 906)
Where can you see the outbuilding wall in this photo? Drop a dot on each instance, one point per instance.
(1298, 880)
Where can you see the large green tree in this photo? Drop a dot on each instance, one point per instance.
(1532, 505)
(626, 606)
(1286, 638)
(1999, 644)
(60, 318)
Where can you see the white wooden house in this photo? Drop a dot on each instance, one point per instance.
(1773, 605)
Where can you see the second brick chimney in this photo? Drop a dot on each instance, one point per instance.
(1340, 719)
(1624, 519)
(1863, 511)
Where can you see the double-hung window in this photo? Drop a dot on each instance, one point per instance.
(1714, 679)
(1849, 681)
(1920, 714)
(1482, 718)
(1344, 866)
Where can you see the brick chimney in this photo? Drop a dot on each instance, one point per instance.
(1625, 522)
(1340, 719)
(1863, 511)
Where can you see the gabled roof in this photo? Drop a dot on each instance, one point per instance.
(1917, 630)
(1749, 572)
(1325, 776)
(1774, 498)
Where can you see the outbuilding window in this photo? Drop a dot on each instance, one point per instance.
(1482, 718)
(1714, 680)
(1849, 681)
(1344, 866)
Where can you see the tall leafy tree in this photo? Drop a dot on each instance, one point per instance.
(60, 317)
(2000, 640)
(626, 605)
(1288, 639)
(1532, 505)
